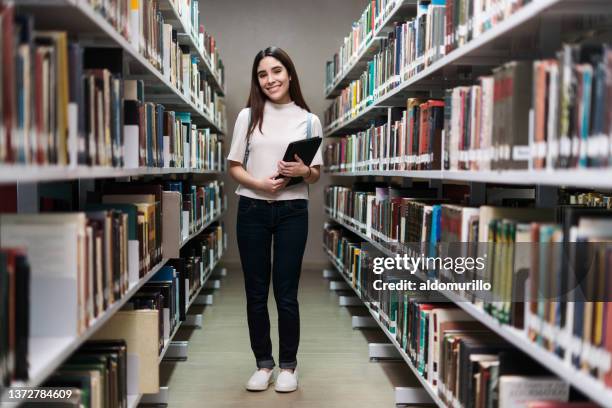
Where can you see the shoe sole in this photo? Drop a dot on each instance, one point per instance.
(285, 390)
(260, 389)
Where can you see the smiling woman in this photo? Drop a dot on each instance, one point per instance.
(271, 212)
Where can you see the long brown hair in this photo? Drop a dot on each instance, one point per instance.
(257, 99)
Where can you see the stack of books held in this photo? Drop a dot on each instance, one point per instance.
(64, 104)
(547, 267)
(546, 114)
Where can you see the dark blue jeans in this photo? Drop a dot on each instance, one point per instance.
(272, 238)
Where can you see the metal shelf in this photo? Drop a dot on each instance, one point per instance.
(10, 174)
(488, 49)
(401, 10)
(81, 19)
(589, 386)
(588, 178)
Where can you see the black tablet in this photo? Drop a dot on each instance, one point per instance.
(305, 149)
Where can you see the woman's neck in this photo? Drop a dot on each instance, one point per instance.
(285, 100)
(281, 105)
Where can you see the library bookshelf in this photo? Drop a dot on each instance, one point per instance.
(527, 20)
(481, 54)
(588, 385)
(87, 26)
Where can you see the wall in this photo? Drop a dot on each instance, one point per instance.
(310, 31)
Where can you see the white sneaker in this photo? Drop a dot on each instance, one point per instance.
(260, 380)
(286, 381)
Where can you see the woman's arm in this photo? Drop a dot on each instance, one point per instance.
(269, 185)
(299, 169)
(315, 173)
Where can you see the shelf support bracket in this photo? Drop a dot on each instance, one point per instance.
(363, 322)
(205, 300)
(329, 274)
(349, 301)
(383, 351)
(411, 395)
(161, 398)
(338, 285)
(193, 320)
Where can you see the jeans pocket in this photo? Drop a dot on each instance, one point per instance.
(244, 206)
(298, 205)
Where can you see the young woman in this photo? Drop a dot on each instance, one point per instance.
(272, 224)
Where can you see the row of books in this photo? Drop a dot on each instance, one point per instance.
(66, 104)
(439, 27)
(154, 137)
(545, 114)
(188, 11)
(91, 263)
(360, 37)
(197, 260)
(100, 373)
(412, 142)
(143, 25)
(550, 113)
(199, 203)
(560, 253)
(28, 292)
(96, 375)
(172, 288)
(119, 238)
(463, 362)
(63, 104)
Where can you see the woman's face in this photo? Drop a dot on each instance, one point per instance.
(274, 80)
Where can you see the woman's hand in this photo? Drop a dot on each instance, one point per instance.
(293, 169)
(272, 186)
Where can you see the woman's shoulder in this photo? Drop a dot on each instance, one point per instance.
(243, 115)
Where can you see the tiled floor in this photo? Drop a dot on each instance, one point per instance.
(333, 359)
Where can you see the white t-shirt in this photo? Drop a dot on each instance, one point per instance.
(282, 124)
